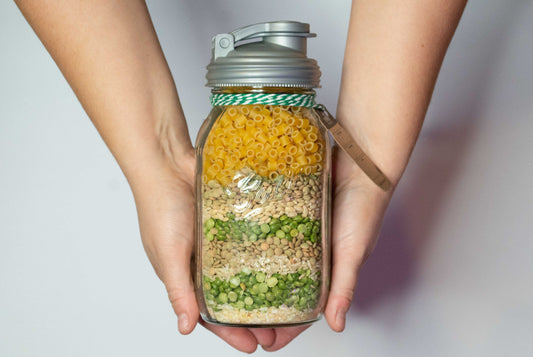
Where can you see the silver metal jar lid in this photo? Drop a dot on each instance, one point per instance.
(277, 59)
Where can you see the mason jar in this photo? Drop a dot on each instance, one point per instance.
(262, 183)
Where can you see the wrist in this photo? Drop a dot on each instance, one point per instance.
(349, 176)
(159, 154)
(386, 140)
(160, 170)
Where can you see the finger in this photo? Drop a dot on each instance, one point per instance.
(180, 288)
(357, 217)
(174, 261)
(264, 336)
(168, 239)
(346, 262)
(284, 335)
(240, 338)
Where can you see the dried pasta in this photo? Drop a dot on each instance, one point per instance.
(271, 140)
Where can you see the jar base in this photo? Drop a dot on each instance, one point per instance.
(261, 325)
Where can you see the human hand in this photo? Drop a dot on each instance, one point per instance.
(358, 209)
(165, 206)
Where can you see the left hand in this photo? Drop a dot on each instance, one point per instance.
(358, 209)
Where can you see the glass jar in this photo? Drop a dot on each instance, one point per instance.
(263, 186)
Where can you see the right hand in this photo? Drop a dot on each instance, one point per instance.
(165, 206)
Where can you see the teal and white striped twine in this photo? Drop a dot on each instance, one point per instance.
(294, 100)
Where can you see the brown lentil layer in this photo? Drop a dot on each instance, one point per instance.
(224, 259)
(256, 199)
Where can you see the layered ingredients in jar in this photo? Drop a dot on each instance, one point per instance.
(262, 182)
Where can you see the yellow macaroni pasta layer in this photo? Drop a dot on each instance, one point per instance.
(271, 140)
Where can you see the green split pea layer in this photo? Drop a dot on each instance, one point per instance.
(284, 228)
(254, 290)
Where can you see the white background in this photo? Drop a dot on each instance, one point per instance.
(452, 274)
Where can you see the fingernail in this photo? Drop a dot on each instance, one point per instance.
(340, 318)
(183, 322)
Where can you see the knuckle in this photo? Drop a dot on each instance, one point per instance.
(177, 296)
(345, 293)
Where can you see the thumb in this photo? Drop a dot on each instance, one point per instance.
(179, 285)
(357, 216)
(347, 259)
(166, 214)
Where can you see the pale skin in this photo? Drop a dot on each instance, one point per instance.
(110, 55)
